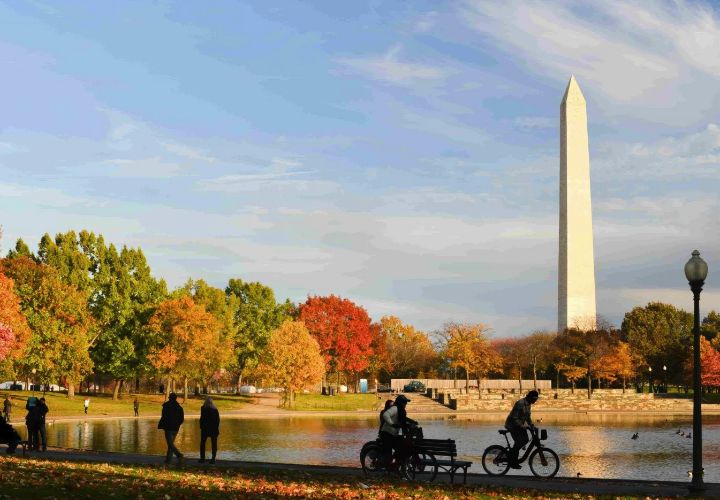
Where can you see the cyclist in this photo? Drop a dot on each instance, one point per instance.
(395, 418)
(517, 422)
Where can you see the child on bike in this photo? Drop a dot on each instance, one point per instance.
(517, 423)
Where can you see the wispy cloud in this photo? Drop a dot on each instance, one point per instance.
(389, 68)
(639, 58)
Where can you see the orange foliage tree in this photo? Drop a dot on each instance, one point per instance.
(17, 332)
(292, 360)
(410, 350)
(186, 341)
(342, 329)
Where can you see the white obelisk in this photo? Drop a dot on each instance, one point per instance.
(576, 273)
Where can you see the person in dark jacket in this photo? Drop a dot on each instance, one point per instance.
(136, 407)
(8, 435)
(517, 422)
(171, 419)
(42, 410)
(209, 428)
(7, 408)
(32, 421)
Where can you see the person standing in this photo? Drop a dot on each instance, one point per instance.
(517, 422)
(86, 404)
(171, 419)
(209, 428)
(32, 420)
(42, 411)
(7, 408)
(136, 407)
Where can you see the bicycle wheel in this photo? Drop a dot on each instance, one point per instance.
(544, 462)
(495, 460)
(372, 460)
(421, 466)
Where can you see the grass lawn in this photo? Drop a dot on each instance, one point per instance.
(338, 402)
(103, 404)
(37, 478)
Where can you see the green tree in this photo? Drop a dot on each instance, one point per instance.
(710, 326)
(662, 335)
(257, 314)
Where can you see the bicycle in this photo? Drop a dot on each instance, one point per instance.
(419, 465)
(543, 461)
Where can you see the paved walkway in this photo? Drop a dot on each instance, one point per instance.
(562, 485)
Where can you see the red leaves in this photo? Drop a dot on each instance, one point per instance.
(342, 330)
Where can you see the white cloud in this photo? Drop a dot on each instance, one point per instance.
(652, 61)
(390, 69)
(188, 152)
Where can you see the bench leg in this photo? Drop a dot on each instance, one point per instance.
(465, 475)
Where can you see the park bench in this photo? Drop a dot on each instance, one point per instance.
(445, 448)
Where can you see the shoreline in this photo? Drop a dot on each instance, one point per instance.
(279, 413)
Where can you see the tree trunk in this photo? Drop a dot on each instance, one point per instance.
(467, 381)
(572, 387)
(557, 382)
(185, 389)
(534, 376)
(589, 379)
(520, 381)
(167, 388)
(116, 389)
(71, 390)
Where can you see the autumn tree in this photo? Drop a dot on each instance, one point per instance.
(256, 315)
(570, 355)
(466, 346)
(410, 351)
(709, 364)
(62, 330)
(515, 357)
(621, 363)
(538, 352)
(17, 332)
(186, 340)
(292, 360)
(342, 330)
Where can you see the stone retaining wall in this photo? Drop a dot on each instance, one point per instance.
(561, 399)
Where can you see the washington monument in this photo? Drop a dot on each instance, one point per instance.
(576, 270)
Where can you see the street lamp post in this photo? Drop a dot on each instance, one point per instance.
(650, 384)
(696, 271)
(665, 379)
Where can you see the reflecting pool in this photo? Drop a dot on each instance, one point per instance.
(592, 445)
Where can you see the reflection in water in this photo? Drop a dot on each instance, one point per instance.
(594, 445)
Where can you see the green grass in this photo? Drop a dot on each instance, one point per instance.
(38, 478)
(103, 404)
(340, 402)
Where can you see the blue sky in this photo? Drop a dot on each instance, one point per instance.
(401, 154)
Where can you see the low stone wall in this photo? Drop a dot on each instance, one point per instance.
(563, 399)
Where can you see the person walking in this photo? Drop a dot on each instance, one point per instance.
(209, 428)
(171, 419)
(136, 407)
(517, 422)
(7, 408)
(42, 411)
(86, 404)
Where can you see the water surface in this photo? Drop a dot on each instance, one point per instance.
(593, 445)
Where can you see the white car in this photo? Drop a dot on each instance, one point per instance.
(248, 389)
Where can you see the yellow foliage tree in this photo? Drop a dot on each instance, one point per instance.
(410, 350)
(187, 341)
(466, 345)
(292, 359)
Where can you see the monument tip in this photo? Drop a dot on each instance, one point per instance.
(573, 90)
